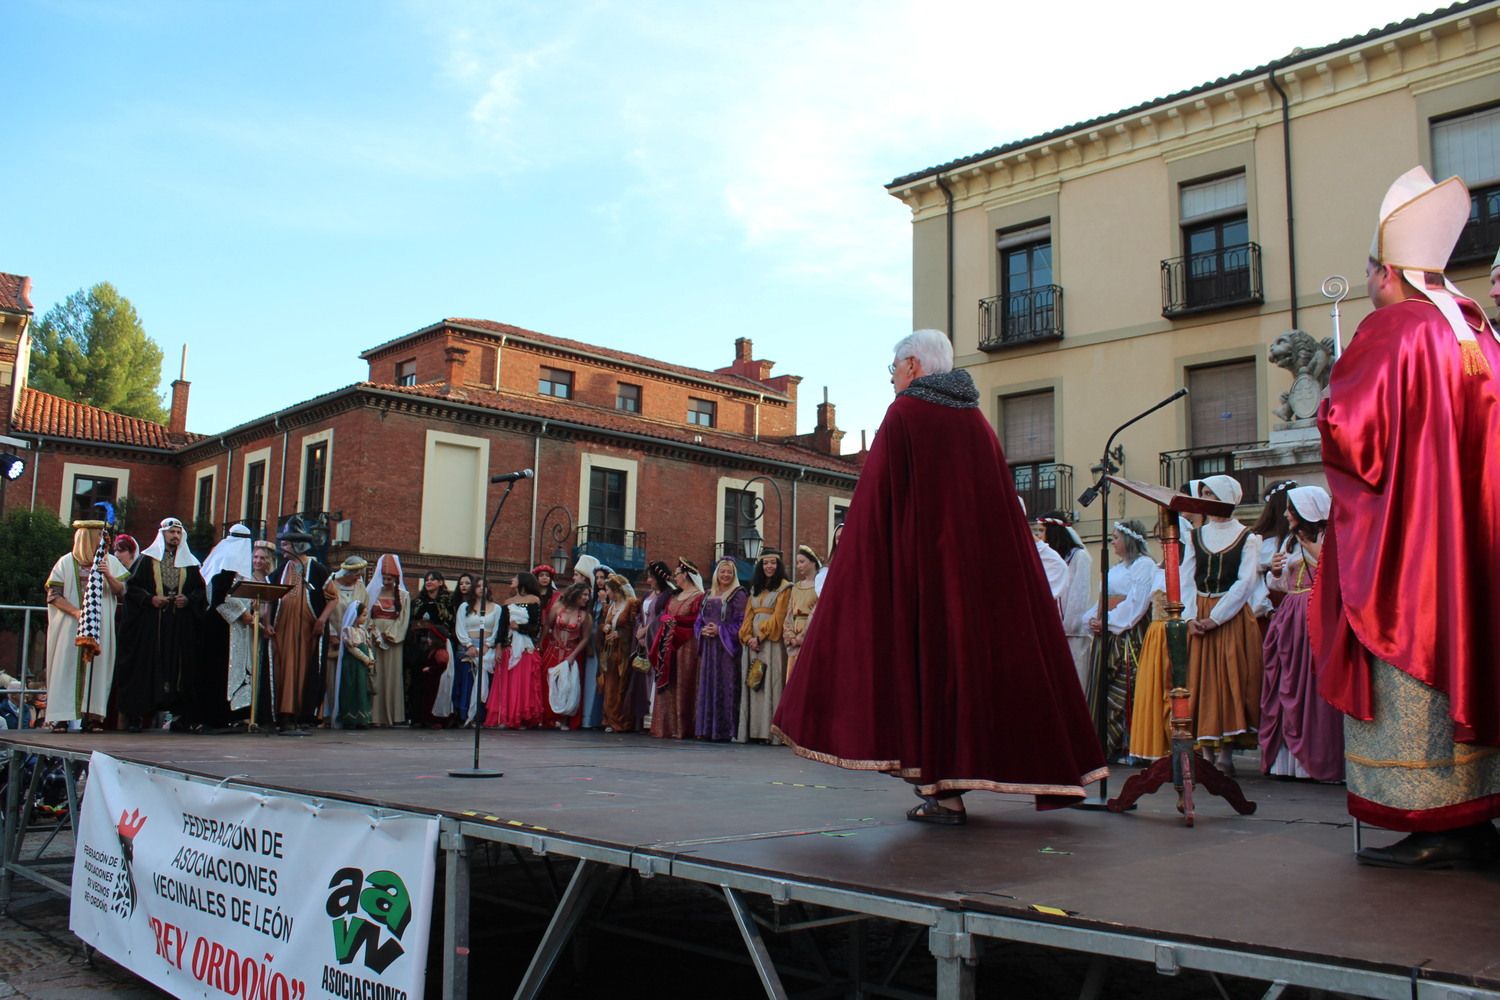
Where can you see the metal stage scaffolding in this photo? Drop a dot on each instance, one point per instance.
(1275, 897)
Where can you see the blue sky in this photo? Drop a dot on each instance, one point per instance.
(283, 184)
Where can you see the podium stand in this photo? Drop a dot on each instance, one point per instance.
(255, 592)
(1182, 766)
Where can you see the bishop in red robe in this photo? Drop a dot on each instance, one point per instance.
(1405, 619)
(936, 653)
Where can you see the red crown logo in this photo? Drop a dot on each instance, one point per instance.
(130, 823)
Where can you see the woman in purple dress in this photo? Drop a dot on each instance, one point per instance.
(1301, 735)
(718, 631)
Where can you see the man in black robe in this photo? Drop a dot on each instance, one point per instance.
(166, 598)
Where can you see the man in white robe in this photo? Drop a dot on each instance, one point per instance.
(78, 689)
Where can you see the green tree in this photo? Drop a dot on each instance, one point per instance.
(91, 348)
(30, 542)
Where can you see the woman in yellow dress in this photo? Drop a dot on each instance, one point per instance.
(804, 597)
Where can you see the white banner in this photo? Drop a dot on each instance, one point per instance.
(215, 892)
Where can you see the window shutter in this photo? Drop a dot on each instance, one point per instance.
(1223, 404)
(1210, 198)
(1468, 146)
(1028, 427)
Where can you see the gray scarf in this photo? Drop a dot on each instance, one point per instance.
(955, 389)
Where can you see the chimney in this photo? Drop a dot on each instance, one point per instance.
(177, 422)
(743, 350)
(827, 438)
(453, 358)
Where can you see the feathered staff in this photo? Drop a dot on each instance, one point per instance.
(93, 592)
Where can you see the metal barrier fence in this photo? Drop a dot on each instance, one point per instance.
(23, 711)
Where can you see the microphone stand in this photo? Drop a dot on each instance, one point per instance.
(484, 571)
(1098, 693)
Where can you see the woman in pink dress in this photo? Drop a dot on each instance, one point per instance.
(516, 700)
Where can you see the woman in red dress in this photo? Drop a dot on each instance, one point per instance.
(674, 658)
(569, 627)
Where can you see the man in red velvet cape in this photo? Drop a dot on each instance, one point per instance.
(936, 652)
(1405, 620)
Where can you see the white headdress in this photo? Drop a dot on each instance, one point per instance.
(1420, 223)
(232, 553)
(1312, 503)
(1226, 488)
(158, 549)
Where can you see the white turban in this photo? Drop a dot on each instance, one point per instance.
(1226, 488)
(233, 554)
(158, 549)
(1312, 503)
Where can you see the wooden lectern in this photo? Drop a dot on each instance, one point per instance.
(1182, 766)
(255, 592)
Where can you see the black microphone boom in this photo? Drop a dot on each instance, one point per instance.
(1092, 492)
(510, 477)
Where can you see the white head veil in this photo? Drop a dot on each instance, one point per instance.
(232, 553)
(158, 549)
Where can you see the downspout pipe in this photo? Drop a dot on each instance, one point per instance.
(536, 464)
(1291, 218)
(948, 197)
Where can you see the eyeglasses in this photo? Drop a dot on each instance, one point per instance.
(892, 366)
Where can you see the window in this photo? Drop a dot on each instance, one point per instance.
(739, 515)
(1220, 266)
(1029, 305)
(89, 490)
(406, 372)
(203, 510)
(1222, 419)
(702, 412)
(840, 511)
(628, 397)
(455, 475)
(556, 382)
(255, 493)
(1027, 423)
(1469, 145)
(315, 476)
(607, 506)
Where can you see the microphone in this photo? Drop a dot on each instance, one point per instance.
(510, 477)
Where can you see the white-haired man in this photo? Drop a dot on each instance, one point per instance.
(937, 654)
(1406, 615)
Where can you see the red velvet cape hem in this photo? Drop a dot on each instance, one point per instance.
(895, 769)
(1439, 820)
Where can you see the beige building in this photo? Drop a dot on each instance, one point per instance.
(1087, 273)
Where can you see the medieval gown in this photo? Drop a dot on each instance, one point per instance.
(389, 617)
(674, 662)
(614, 663)
(944, 681)
(516, 700)
(1224, 664)
(1301, 735)
(765, 616)
(719, 688)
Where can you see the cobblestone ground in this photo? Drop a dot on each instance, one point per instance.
(41, 960)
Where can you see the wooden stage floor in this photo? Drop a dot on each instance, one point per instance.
(1282, 882)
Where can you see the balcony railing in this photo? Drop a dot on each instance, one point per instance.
(620, 550)
(1024, 317)
(1043, 486)
(1177, 467)
(1216, 279)
(1482, 233)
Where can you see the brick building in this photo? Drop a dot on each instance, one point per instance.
(633, 457)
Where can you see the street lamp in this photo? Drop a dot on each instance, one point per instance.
(559, 558)
(751, 542)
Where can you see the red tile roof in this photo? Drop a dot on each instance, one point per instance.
(53, 416)
(575, 412)
(731, 381)
(14, 293)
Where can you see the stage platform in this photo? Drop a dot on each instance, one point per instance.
(1275, 896)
